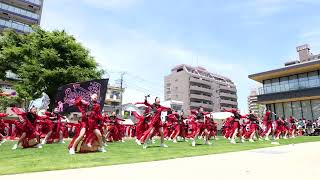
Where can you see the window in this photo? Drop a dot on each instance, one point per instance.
(275, 85)
(313, 79)
(287, 109)
(279, 110)
(306, 109)
(303, 80)
(293, 82)
(296, 109)
(284, 84)
(267, 86)
(316, 108)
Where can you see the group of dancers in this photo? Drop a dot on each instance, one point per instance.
(95, 129)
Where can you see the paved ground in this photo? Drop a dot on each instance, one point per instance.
(292, 162)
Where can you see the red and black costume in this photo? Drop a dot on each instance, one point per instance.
(156, 122)
(30, 127)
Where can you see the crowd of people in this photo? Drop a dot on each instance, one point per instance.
(95, 129)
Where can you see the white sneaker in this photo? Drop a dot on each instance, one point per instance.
(163, 145)
(43, 142)
(175, 141)
(122, 141)
(186, 140)
(217, 139)
(233, 141)
(229, 138)
(267, 139)
(101, 149)
(15, 147)
(3, 141)
(153, 141)
(139, 142)
(72, 151)
(62, 142)
(242, 141)
(39, 146)
(208, 143)
(285, 137)
(193, 143)
(251, 140)
(105, 145)
(145, 145)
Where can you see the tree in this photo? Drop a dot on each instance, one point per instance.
(45, 61)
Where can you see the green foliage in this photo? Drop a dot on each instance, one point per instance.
(45, 61)
(6, 102)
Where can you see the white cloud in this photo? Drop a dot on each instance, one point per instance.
(145, 59)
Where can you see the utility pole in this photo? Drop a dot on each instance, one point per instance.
(121, 88)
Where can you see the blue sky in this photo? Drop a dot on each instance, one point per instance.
(146, 38)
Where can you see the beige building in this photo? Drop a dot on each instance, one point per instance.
(20, 15)
(253, 102)
(195, 87)
(113, 99)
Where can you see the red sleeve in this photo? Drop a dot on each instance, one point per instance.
(3, 115)
(139, 103)
(82, 106)
(147, 103)
(245, 116)
(206, 113)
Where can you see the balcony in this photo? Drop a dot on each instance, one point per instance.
(200, 97)
(26, 4)
(226, 88)
(228, 95)
(207, 106)
(235, 103)
(201, 89)
(16, 26)
(199, 81)
(18, 13)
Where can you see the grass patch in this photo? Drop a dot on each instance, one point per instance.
(56, 157)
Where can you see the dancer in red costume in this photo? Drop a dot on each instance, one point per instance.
(253, 127)
(227, 128)
(114, 128)
(293, 126)
(30, 137)
(200, 127)
(267, 121)
(142, 125)
(212, 127)
(89, 126)
(236, 127)
(55, 130)
(281, 129)
(178, 125)
(156, 123)
(3, 129)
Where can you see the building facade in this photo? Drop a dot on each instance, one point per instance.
(253, 102)
(293, 90)
(113, 99)
(20, 15)
(195, 87)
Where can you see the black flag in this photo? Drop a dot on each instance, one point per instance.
(67, 94)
